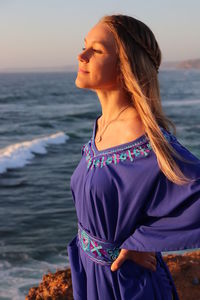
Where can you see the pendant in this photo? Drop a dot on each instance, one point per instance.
(98, 139)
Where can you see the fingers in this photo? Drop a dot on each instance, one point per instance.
(152, 259)
(123, 255)
(150, 265)
(151, 262)
(117, 264)
(143, 256)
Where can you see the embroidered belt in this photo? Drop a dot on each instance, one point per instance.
(98, 250)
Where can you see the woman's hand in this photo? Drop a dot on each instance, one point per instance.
(146, 259)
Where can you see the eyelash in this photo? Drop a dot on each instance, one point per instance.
(83, 48)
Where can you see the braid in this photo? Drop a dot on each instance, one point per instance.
(141, 34)
(146, 49)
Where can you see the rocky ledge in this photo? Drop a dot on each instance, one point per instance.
(185, 270)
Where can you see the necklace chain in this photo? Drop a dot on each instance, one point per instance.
(99, 138)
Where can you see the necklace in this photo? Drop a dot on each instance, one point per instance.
(99, 138)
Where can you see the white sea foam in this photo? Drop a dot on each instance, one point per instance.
(18, 155)
(16, 280)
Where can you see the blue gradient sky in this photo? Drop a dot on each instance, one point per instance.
(46, 33)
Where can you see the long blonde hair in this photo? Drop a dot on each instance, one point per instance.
(139, 58)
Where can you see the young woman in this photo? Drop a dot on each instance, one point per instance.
(136, 189)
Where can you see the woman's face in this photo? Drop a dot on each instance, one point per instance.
(98, 60)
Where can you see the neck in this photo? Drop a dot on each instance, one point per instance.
(112, 102)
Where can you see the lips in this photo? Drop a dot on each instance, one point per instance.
(82, 71)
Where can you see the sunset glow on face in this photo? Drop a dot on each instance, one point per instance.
(98, 60)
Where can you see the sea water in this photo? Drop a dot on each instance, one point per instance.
(44, 121)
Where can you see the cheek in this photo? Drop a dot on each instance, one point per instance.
(105, 70)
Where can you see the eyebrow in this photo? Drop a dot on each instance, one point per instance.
(99, 42)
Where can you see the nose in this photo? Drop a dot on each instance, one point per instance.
(83, 56)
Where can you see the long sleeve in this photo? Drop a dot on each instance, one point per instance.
(171, 216)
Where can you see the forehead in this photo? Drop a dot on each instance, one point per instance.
(101, 33)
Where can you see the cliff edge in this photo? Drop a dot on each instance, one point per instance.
(185, 270)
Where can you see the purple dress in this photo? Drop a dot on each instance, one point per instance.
(122, 197)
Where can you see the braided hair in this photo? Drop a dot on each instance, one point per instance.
(138, 34)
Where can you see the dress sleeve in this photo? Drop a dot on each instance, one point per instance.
(171, 217)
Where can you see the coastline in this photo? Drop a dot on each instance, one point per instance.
(184, 268)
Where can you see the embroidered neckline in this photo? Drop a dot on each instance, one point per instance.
(116, 156)
(140, 147)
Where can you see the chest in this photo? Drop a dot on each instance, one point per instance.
(117, 134)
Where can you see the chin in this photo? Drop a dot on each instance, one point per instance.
(81, 84)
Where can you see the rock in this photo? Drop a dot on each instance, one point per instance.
(185, 271)
(57, 286)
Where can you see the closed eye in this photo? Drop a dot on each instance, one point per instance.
(93, 50)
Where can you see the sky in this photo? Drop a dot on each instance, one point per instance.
(50, 33)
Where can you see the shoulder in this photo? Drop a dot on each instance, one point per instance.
(130, 130)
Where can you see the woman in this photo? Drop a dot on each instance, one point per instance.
(136, 189)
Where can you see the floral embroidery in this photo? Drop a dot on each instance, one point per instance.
(128, 152)
(97, 250)
(114, 156)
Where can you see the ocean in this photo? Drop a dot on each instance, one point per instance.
(44, 121)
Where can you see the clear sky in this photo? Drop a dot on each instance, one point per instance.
(48, 33)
